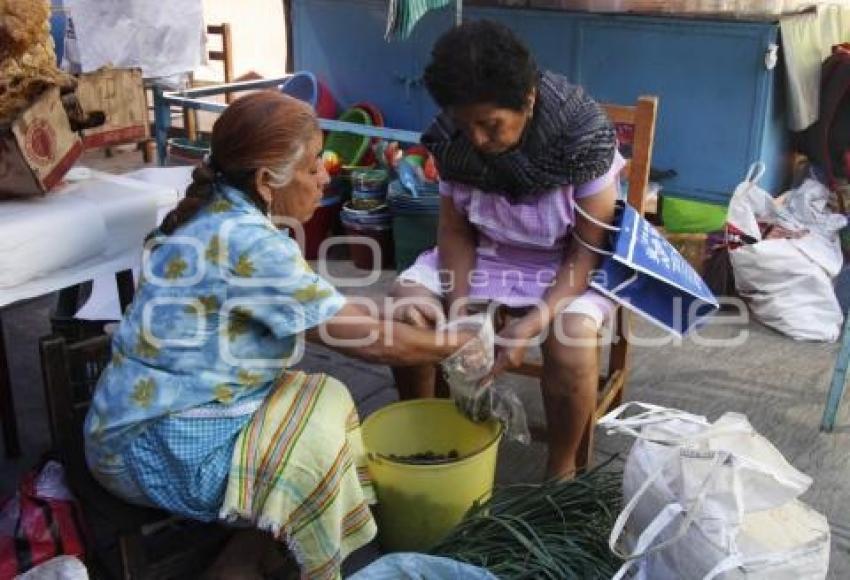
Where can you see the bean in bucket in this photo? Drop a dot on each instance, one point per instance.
(420, 499)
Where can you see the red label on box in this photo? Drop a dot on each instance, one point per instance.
(40, 142)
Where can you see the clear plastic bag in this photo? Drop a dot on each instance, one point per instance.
(469, 366)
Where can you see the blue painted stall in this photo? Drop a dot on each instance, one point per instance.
(721, 106)
(58, 23)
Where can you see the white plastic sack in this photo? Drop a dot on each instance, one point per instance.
(788, 282)
(162, 38)
(59, 568)
(699, 496)
(785, 543)
(464, 372)
(412, 566)
(808, 205)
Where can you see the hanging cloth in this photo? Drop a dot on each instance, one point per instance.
(402, 15)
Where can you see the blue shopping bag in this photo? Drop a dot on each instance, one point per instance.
(646, 274)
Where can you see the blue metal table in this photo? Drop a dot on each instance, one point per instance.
(194, 99)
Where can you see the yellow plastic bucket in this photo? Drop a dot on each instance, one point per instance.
(419, 504)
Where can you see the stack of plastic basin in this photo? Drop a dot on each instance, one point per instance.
(414, 220)
(374, 247)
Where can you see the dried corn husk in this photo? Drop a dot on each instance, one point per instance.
(27, 55)
(23, 23)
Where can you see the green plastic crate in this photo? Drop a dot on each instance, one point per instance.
(686, 216)
(413, 233)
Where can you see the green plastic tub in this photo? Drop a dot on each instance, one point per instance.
(350, 148)
(686, 216)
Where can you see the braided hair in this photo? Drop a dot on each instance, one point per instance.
(266, 129)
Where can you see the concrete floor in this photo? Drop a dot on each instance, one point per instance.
(778, 383)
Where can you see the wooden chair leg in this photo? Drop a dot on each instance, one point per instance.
(584, 457)
(148, 148)
(619, 359)
(126, 288)
(441, 387)
(133, 560)
(7, 403)
(190, 123)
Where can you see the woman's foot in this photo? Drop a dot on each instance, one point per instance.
(556, 471)
(252, 555)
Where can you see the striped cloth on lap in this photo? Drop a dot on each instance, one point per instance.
(299, 471)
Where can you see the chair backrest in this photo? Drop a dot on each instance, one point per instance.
(225, 55)
(635, 126)
(70, 373)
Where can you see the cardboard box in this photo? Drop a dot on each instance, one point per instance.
(37, 148)
(120, 94)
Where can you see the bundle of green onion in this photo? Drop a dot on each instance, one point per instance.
(556, 530)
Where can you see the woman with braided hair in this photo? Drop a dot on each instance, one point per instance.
(518, 151)
(198, 413)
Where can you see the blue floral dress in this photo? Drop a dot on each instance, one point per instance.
(215, 320)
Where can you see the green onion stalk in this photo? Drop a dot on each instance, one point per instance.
(557, 529)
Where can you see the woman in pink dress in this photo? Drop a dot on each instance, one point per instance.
(516, 149)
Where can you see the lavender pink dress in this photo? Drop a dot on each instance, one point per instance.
(520, 246)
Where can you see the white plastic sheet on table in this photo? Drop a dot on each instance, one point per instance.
(100, 215)
(90, 228)
(103, 303)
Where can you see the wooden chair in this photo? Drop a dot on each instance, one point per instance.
(225, 56)
(636, 131)
(152, 544)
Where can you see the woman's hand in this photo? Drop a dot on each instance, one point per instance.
(423, 315)
(458, 338)
(355, 331)
(516, 337)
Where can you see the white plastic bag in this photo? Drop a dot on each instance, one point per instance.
(412, 566)
(59, 568)
(788, 282)
(785, 543)
(464, 372)
(699, 494)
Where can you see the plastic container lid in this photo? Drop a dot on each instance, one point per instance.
(377, 216)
